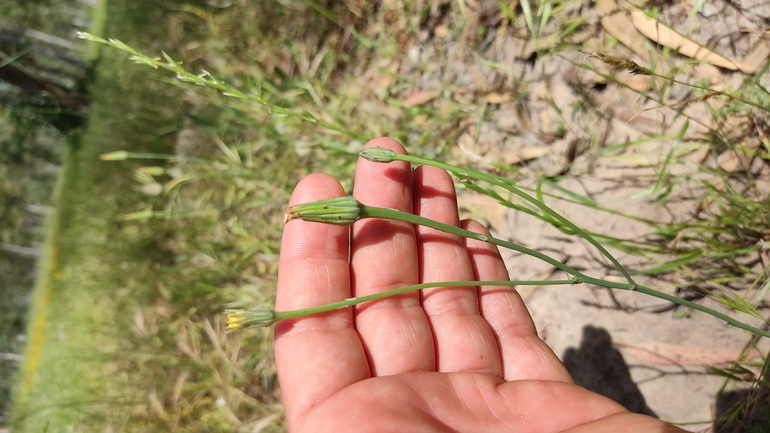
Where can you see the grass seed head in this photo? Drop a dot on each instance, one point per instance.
(621, 63)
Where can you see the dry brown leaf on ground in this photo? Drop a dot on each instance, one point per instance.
(524, 154)
(674, 354)
(497, 98)
(667, 37)
(419, 97)
(756, 56)
(606, 7)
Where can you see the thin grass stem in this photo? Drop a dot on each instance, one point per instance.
(386, 155)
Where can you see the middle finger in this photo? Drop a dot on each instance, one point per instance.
(464, 340)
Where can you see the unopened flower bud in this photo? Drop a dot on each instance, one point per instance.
(378, 154)
(342, 211)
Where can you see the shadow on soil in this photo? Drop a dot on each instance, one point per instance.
(596, 365)
(752, 416)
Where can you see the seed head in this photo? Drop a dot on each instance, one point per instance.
(342, 211)
(378, 154)
(242, 319)
(621, 63)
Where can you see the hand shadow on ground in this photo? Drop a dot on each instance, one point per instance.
(753, 415)
(596, 365)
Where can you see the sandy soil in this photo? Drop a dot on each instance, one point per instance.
(641, 351)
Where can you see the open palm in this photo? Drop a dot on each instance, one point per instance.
(443, 359)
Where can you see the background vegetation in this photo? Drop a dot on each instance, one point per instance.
(141, 257)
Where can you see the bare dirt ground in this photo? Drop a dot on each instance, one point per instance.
(551, 117)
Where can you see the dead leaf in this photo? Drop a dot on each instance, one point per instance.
(524, 154)
(419, 97)
(441, 31)
(673, 354)
(496, 98)
(606, 7)
(354, 6)
(667, 37)
(756, 56)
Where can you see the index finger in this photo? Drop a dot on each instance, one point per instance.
(319, 355)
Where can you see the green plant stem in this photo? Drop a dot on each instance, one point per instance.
(123, 155)
(374, 212)
(283, 315)
(206, 80)
(509, 186)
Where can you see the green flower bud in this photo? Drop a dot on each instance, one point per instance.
(342, 211)
(378, 154)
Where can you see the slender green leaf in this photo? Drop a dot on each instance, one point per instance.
(665, 267)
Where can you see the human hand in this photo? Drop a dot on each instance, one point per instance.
(443, 359)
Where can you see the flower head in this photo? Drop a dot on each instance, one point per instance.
(242, 319)
(341, 211)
